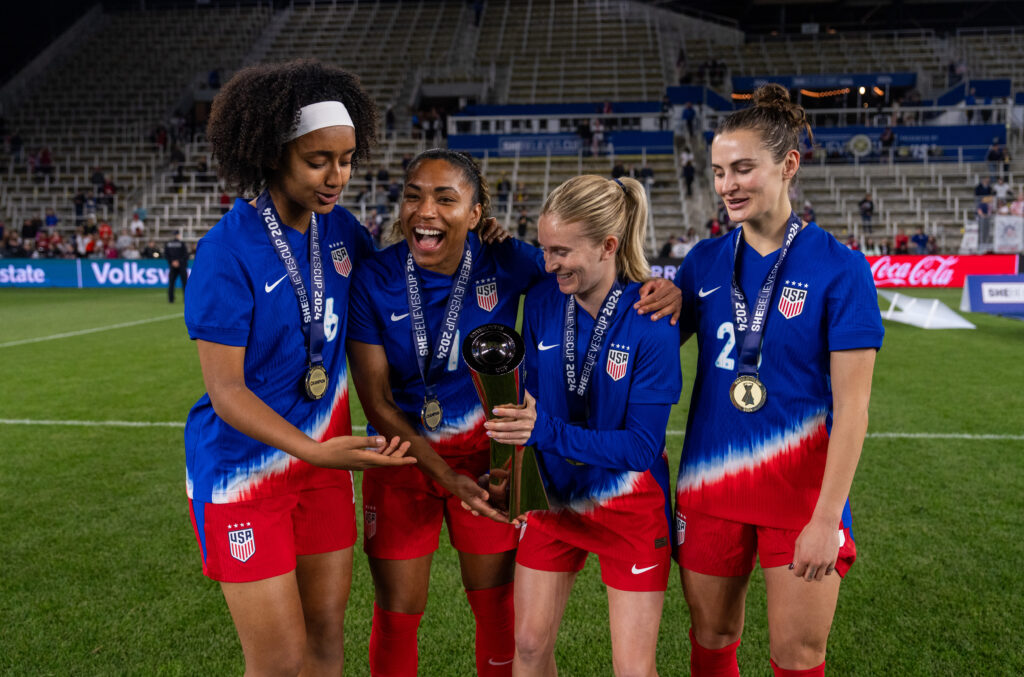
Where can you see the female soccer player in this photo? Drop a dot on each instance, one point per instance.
(411, 307)
(787, 325)
(605, 381)
(268, 448)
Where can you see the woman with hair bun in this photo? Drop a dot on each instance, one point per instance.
(268, 448)
(601, 383)
(415, 303)
(787, 325)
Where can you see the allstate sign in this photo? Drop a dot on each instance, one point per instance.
(83, 273)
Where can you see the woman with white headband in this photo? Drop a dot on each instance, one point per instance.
(269, 446)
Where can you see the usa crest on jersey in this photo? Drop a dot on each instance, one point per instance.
(342, 262)
(487, 293)
(242, 543)
(791, 300)
(618, 358)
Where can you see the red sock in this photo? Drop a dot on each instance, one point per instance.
(713, 662)
(495, 627)
(393, 651)
(809, 672)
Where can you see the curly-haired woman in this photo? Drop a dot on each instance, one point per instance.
(268, 447)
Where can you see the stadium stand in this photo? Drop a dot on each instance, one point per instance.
(92, 107)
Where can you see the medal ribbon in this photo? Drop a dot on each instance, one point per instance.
(431, 373)
(750, 325)
(577, 385)
(312, 309)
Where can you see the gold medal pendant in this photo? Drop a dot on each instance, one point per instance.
(316, 381)
(748, 394)
(431, 414)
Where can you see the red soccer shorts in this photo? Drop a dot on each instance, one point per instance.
(258, 539)
(629, 534)
(719, 547)
(403, 510)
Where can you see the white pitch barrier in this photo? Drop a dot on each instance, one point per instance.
(921, 312)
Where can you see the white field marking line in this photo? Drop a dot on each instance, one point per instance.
(913, 436)
(39, 339)
(669, 433)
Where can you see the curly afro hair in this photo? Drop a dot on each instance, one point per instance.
(254, 112)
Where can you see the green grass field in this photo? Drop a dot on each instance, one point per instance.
(100, 573)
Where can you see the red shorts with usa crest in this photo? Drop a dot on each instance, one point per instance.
(259, 539)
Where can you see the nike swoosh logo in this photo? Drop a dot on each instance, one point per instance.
(640, 571)
(270, 287)
(703, 293)
(491, 661)
(541, 346)
(396, 318)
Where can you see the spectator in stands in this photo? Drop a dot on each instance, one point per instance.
(151, 251)
(984, 212)
(970, 101)
(389, 122)
(383, 177)
(78, 202)
(680, 248)
(91, 225)
(137, 227)
(523, 224)
(12, 246)
(131, 252)
(124, 240)
(714, 227)
(59, 249)
(177, 155)
(1017, 206)
(51, 219)
(415, 125)
(852, 244)
(406, 159)
(503, 189)
(887, 139)
(596, 136)
(870, 248)
(179, 179)
(3, 231)
(618, 171)
(901, 243)
(394, 192)
(920, 241)
(689, 173)
(689, 115)
(110, 250)
(994, 157)
(45, 164)
(104, 231)
(666, 108)
(984, 188)
(933, 246)
(867, 212)
(1002, 189)
(647, 176)
(109, 191)
(666, 249)
(585, 133)
(78, 242)
(29, 229)
(225, 202)
(160, 139)
(522, 194)
(685, 155)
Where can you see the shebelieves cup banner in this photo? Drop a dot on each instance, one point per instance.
(242, 543)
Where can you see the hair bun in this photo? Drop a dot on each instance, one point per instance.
(772, 95)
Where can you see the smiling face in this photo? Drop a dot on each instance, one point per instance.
(583, 267)
(313, 170)
(753, 186)
(438, 210)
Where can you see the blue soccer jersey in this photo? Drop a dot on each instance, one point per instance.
(380, 316)
(239, 294)
(766, 467)
(636, 380)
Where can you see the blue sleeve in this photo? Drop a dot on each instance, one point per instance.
(364, 323)
(525, 261)
(686, 281)
(854, 319)
(657, 375)
(362, 242)
(219, 298)
(636, 448)
(530, 359)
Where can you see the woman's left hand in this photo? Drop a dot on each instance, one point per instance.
(662, 297)
(514, 424)
(490, 232)
(816, 552)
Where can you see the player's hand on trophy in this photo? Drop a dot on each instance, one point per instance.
(475, 498)
(360, 453)
(514, 424)
(490, 232)
(661, 297)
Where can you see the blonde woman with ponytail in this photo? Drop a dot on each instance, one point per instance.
(601, 382)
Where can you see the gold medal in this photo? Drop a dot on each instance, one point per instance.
(316, 381)
(431, 414)
(747, 393)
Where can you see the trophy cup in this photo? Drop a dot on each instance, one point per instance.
(494, 354)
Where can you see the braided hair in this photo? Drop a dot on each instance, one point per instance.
(255, 111)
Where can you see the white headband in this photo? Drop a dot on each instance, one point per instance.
(319, 115)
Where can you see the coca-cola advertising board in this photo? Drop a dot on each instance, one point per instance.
(937, 271)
